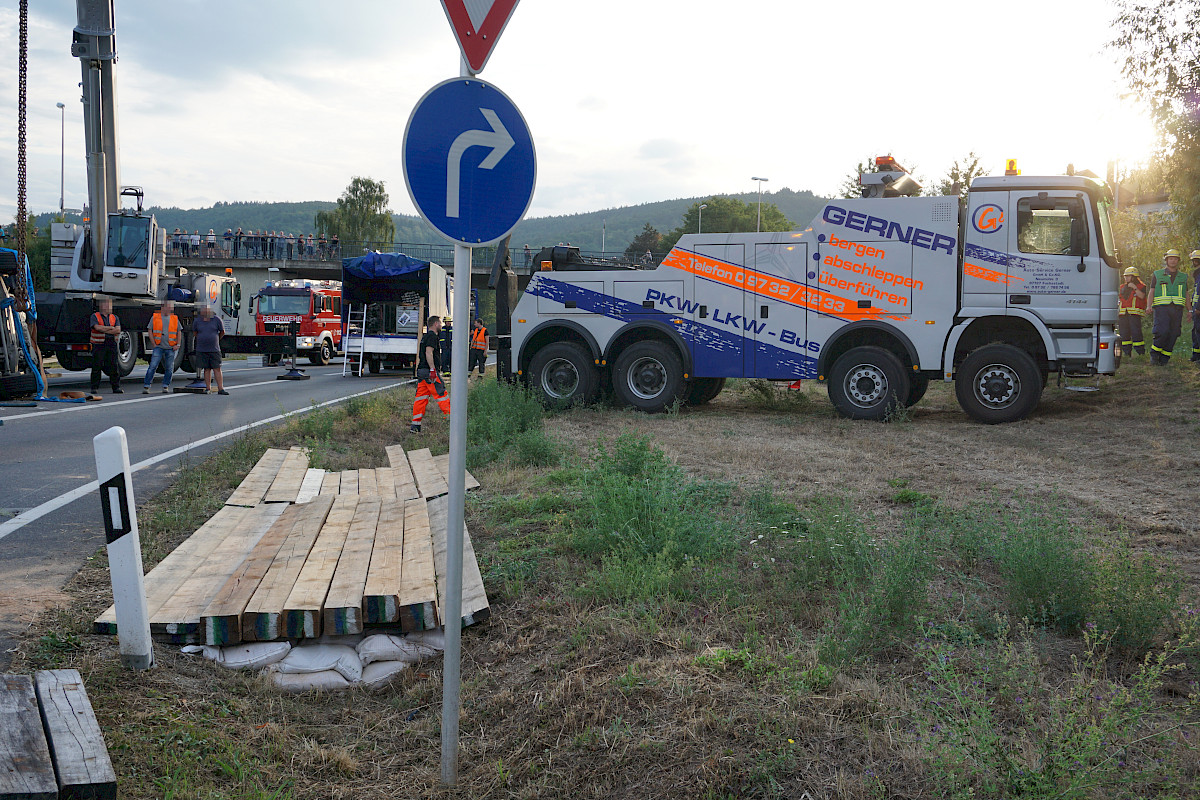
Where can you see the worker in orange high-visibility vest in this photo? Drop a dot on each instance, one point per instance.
(429, 382)
(479, 347)
(105, 328)
(165, 338)
(1134, 300)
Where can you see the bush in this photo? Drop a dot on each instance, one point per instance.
(507, 421)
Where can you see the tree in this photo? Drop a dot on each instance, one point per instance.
(361, 215)
(962, 172)
(728, 215)
(648, 239)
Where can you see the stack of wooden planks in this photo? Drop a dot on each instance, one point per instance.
(304, 553)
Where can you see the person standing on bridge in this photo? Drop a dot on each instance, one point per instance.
(209, 331)
(105, 330)
(1168, 287)
(164, 336)
(429, 383)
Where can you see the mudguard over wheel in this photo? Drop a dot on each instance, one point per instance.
(649, 376)
(701, 390)
(998, 383)
(127, 351)
(918, 384)
(322, 355)
(868, 383)
(563, 372)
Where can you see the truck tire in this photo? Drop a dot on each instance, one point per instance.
(701, 390)
(127, 351)
(374, 365)
(868, 383)
(998, 383)
(17, 385)
(563, 372)
(648, 376)
(322, 355)
(918, 384)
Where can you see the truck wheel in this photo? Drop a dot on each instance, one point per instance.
(702, 390)
(918, 384)
(322, 355)
(868, 383)
(563, 372)
(998, 383)
(127, 352)
(375, 365)
(649, 376)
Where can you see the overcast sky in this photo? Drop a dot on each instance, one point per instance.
(628, 101)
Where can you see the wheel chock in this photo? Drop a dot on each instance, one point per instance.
(293, 374)
(195, 387)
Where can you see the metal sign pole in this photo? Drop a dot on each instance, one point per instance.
(124, 548)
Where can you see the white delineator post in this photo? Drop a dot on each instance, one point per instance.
(124, 548)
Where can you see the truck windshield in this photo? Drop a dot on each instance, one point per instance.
(1107, 243)
(128, 239)
(283, 304)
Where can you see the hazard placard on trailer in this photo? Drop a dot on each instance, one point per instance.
(478, 24)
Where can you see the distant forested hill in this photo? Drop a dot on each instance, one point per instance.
(290, 217)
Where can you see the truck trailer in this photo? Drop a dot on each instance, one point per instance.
(877, 296)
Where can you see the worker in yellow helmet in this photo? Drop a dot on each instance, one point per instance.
(1168, 287)
(1133, 300)
(1195, 257)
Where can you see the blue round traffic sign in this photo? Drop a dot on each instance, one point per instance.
(469, 161)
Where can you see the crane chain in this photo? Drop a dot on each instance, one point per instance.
(22, 294)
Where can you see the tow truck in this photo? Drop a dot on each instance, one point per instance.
(877, 296)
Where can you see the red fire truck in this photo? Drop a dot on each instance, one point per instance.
(315, 305)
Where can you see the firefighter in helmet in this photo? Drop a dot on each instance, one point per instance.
(1134, 299)
(1168, 288)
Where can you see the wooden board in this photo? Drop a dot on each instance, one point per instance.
(475, 606)
(417, 601)
(81, 762)
(262, 619)
(221, 620)
(349, 482)
(180, 614)
(162, 581)
(311, 487)
(26, 770)
(332, 483)
(302, 609)
(385, 478)
(259, 479)
(381, 596)
(286, 485)
(343, 608)
(401, 470)
(443, 465)
(430, 482)
(368, 484)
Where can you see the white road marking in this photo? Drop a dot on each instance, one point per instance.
(25, 517)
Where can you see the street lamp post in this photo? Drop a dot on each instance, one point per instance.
(62, 156)
(758, 226)
(700, 218)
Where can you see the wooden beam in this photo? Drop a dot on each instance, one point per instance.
(475, 606)
(332, 483)
(402, 472)
(381, 596)
(221, 621)
(311, 487)
(349, 482)
(302, 609)
(368, 484)
(256, 483)
(443, 465)
(418, 606)
(261, 621)
(430, 482)
(26, 771)
(286, 485)
(385, 477)
(81, 762)
(343, 609)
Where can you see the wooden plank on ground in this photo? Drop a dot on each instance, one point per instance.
(443, 465)
(81, 762)
(221, 621)
(343, 609)
(418, 608)
(381, 596)
(162, 581)
(180, 614)
(349, 482)
(430, 482)
(368, 484)
(385, 478)
(26, 771)
(286, 485)
(302, 609)
(402, 471)
(475, 606)
(332, 483)
(262, 619)
(259, 479)
(311, 487)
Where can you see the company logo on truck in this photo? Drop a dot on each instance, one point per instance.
(888, 229)
(988, 218)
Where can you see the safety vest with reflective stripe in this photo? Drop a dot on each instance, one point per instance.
(479, 339)
(156, 330)
(1130, 302)
(1168, 290)
(98, 319)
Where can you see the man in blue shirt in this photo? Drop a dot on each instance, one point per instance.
(209, 331)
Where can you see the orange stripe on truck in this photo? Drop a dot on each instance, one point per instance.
(986, 274)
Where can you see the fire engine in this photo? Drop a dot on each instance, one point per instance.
(877, 296)
(314, 306)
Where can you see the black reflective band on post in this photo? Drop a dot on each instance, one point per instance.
(113, 532)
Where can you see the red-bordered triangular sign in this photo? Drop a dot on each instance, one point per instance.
(478, 25)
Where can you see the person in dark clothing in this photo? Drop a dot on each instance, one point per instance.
(105, 330)
(429, 364)
(209, 331)
(479, 347)
(1195, 257)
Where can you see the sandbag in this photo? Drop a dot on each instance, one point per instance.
(386, 647)
(381, 673)
(310, 658)
(328, 679)
(435, 638)
(253, 655)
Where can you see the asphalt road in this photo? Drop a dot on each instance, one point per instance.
(49, 516)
